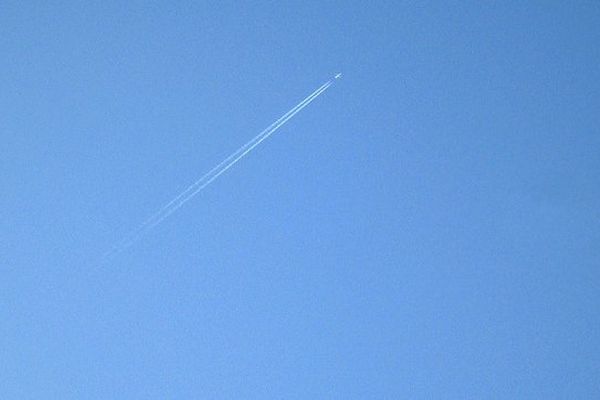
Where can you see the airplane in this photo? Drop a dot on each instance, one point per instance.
(338, 75)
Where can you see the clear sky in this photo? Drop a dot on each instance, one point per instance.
(427, 228)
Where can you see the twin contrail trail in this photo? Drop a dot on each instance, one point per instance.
(215, 172)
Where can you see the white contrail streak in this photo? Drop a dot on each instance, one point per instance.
(199, 182)
(214, 173)
(233, 155)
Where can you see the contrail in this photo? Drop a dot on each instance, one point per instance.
(167, 209)
(214, 173)
(233, 155)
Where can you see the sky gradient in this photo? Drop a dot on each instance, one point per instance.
(427, 228)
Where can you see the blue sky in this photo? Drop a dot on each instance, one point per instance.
(428, 228)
